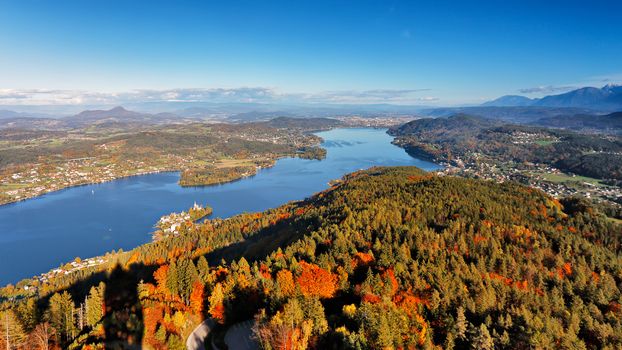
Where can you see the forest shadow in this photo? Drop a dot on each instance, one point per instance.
(123, 325)
(264, 242)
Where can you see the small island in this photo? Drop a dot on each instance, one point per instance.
(178, 223)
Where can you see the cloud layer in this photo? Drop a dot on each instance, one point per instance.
(217, 95)
(549, 89)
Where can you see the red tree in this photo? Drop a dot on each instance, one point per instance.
(315, 281)
(196, 298)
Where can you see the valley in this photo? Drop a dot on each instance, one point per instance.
(307, 234)
(310, 175)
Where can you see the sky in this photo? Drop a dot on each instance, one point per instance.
(404, 52)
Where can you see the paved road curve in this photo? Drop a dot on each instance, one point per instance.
(240, 336)
(196, 340)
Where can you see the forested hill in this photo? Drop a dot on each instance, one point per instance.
(474, 139)
(452, 129)
(389, 258)
(459, 124)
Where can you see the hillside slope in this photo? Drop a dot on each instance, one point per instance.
(389, 258)
(473, 139)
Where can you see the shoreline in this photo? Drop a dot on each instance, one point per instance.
(321, 140)
(273, 163)
(106, 256)
(172, 170)
(166, 170)
(88, 184)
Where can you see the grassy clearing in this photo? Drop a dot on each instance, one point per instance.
(545, 142)
(228, 163)
(617, 221)
(560, 178)
(9, 187)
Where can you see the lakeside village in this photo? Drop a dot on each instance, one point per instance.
(375, 122)
(45, 178)
(544, 177)
(177, 223)
(169, 225)
(292, 137)
(67, 269)
(541, 176)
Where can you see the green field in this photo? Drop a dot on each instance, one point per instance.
(618, 221)
(11, 186)
(559, 178)
(545, 142)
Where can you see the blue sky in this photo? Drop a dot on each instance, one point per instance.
(419, 52)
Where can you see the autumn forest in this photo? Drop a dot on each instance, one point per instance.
(390, 258)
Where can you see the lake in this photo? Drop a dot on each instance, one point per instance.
(39, 234)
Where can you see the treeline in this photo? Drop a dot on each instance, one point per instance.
(214, 175)
(390, 258)
(311, 152)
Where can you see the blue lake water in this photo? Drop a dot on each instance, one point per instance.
(39, 234)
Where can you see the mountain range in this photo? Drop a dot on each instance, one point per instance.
(607, 98)
(7, 114)
(117, 116)
(512, 114)
(121, 115)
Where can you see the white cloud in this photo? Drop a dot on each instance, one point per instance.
(594, 81)
(549, 89)
(219, 95)
(11, 95)
(368, 96)
(598, 80)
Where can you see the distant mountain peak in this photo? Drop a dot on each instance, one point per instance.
(118, 109)
(510, 101)
(607, 98)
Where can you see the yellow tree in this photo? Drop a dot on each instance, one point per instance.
(13, 334)
(216, 305)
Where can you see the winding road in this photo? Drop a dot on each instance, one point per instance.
(196, 340)
(238, 337)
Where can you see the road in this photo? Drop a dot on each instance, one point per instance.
(240, 336)
(196, 340)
